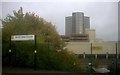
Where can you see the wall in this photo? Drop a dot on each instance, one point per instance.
(97, 48)
(91, 33)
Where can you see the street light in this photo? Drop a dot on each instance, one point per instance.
(9, 51)
(35, 52)
(9, 57)
(89, 64)
(90, 68)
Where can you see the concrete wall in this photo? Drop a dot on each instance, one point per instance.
(104, 47)
(91, 33)
(78, 48)
(97, 48)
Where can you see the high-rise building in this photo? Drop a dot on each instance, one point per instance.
(68, 25)
(86, 22)
(76, 24)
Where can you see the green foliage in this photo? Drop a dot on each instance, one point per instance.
(96, 63)
(48, 44)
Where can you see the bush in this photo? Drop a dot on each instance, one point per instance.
(48, 44)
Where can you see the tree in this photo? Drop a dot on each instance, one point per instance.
(48, 43)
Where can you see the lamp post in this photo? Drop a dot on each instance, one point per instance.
(10, 52)
(90, 64)
(35, 52)
(9, 57)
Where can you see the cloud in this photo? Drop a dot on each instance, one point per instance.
(103, 15)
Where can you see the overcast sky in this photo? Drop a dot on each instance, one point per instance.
(103, 15)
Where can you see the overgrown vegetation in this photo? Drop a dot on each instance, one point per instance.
(51, 54)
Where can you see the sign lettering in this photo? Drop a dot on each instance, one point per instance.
(22, 37)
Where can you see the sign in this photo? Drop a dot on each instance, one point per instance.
(97, 48)
(22, 37)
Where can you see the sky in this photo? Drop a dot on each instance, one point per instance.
(119, 22)
(103, 15)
